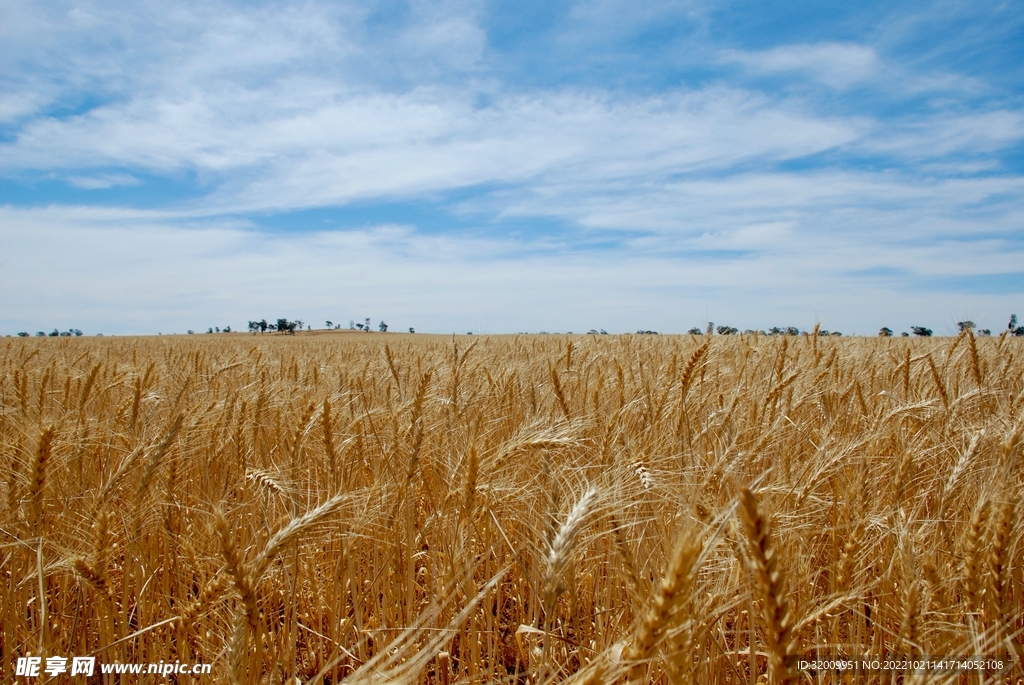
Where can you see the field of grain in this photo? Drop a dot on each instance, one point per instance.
(533, 509)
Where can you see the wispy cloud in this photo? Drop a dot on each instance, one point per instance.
(219, 273)
(103, 181)
(838, 65)
(431, 140)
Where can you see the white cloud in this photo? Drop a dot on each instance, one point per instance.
(15, 106)
(427, 140)
(838, 65)
(939, 135)
(103, 181)
(819, 257)
(746, 198)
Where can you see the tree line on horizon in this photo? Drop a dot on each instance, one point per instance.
(71, 332)
(1012, 328)
(283, 325)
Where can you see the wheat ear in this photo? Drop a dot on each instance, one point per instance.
(938, 382)
(690, 371)
(470, 485)
(207, 596)
(327, 427)
(972, 555)
(158, 453)
(673, 591)
(285, 535)
(94, 570)
(976, 369)
(38, 477)
(235, 567)
(561, 548)
(246, 588)
(998, 576)
(556, 384)
(266, 481)
(771, 586)
(622, 545)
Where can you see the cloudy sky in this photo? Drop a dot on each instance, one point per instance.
(511, 166)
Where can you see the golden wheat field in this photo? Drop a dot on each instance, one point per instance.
(531, 509)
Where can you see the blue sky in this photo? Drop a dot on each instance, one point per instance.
(511, 166)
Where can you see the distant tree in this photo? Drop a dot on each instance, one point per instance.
(411, 329)
(226, 329)
(904, 334)
(23, 334)
(984, 332)
(209, 330)
(836, 334)
(263, 325)
(1013, 328)
(604, 332)
(77, 332)
(216, 329)
(775, 330)
(351, 325)
(191, 332)
(695, 331)
(884, 332)
(330, 324)
(366, 326)
(383, 327)
(711, 327)
(726, 330)
(792, 330)
(359, 326)
(921, 331)
(54, 333)
(40, 334)
(254, 326)
(965, 326)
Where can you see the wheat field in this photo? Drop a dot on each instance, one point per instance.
(522, 509)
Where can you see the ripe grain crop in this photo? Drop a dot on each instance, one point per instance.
(531, 509)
